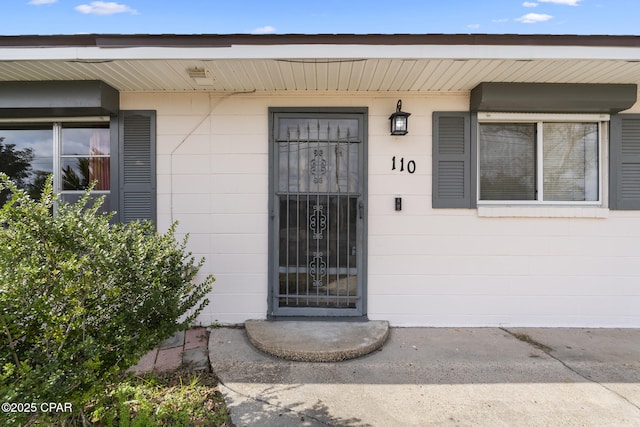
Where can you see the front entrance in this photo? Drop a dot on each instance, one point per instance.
(318, 212)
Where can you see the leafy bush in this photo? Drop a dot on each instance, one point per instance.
(81, 300)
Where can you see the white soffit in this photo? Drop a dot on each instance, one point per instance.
(322, 67)
(359, 75)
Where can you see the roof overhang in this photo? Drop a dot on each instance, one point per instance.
(415, 46)
(359, 63)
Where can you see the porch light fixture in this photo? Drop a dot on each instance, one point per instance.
(399, 120)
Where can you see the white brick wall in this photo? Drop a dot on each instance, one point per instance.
(426, 267)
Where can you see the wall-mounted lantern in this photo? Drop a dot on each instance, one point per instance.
(399, 121)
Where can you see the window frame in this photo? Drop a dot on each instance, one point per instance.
(56, 124)
(539, 119)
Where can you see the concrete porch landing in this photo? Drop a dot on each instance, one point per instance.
(317, 341)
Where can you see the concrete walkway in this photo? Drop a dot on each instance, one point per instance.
(441, 377)
(185, 350)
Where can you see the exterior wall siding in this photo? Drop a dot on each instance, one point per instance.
(426, 267)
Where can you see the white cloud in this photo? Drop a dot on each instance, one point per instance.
(530, 4)
(565, 2)
(532, 18)
(267, 29)
(104, 8)
(500, 20)
(39, 2)
(473, 26)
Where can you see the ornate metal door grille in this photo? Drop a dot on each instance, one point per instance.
(319, 215)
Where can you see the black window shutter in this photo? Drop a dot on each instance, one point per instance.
(137, 158)
(624, 162)
(454, 165)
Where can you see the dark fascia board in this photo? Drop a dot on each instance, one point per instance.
(58, 99)
(226, 40)
(553, 97)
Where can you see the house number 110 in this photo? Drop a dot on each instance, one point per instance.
(411, 165)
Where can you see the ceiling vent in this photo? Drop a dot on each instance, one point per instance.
(200, 76)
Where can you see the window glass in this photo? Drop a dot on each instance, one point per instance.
(76, 153)
(324, 167)
(26, 156)
(318, 130)
(539, 161)
(507, 161)
(79, 172)
(85, 151)
(570, 161)
(85, 139)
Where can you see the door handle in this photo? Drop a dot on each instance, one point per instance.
(361, 209)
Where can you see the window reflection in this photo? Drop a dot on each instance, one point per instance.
(507, 161)
(85, 152)
(571, 161)
(83, 155)
(90, 139)
(510, 159)
(26, 156)
(327, 167)
(79, 172)
(302, 129)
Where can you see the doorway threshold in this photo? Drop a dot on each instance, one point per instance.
(312, 341)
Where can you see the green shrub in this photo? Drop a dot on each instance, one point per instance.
(81, 300)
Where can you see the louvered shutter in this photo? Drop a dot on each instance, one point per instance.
(453, 169)
(137, 165)
(624, 162)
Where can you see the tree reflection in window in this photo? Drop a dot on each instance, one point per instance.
(83, 156)
(85, 152)
(17, 161)
(74, 181)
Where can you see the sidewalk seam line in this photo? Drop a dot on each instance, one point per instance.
(548, 353)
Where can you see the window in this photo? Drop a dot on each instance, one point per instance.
(544, 159)
(77, 153)
(26, 156)
(84, 158)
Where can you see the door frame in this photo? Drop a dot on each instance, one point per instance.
(274, 311)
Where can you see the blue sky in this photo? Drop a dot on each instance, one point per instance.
(320, 16)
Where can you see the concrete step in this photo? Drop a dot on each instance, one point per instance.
(317, 341)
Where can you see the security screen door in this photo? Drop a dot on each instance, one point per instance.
(318, 216)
